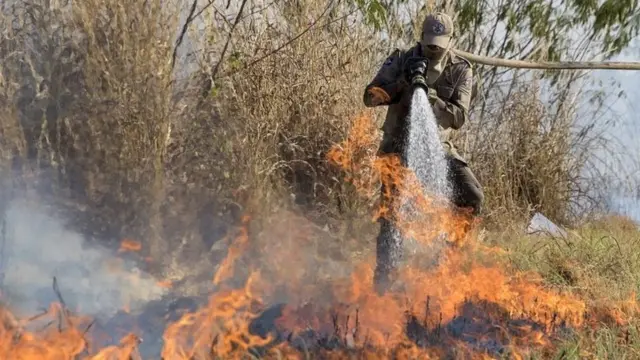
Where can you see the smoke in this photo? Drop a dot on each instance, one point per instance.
(300, 259)
(92, 280)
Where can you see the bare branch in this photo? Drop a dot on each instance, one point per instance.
(292, 40)
(226, 45)
(185, 27)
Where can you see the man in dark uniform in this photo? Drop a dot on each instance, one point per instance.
(449, 80)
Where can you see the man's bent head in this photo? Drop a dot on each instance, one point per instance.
(437, 31)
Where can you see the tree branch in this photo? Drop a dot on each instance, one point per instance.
(210, 3)
(187, 22)
(292, 40)
(226, 45)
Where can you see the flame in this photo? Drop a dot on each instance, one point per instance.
(62, 342)
(281, 305)
(167, 284)
(402, 187)
(450, 291)
(129, 245)
(221, 328)
(237, 247)
(126, 350)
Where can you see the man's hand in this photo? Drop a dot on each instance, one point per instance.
(433, 95)
(438, 105)
(415, 66)
(378, 96)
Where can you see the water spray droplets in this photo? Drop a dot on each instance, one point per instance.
(424, 151)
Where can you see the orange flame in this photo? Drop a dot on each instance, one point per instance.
(129, 245)
(455, 303)
(366, 171)
(221, 328)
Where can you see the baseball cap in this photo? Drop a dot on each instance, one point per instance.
(437, 29)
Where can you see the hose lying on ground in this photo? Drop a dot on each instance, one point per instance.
(560, 65)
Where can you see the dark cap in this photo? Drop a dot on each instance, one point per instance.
(437, 29)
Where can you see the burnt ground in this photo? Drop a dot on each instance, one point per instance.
(480, 327)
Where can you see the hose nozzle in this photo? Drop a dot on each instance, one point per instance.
(419, 81)
(418, 72)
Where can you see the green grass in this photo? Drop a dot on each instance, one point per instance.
(599, 262)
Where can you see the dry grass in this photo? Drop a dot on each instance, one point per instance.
(527, 159)
(93, 96)
(598, 262)
(96, 119)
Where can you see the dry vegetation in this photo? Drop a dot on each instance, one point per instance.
(98, 119)
(132, 147)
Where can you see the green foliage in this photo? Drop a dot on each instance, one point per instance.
(618, 21)
(375, 11)
(614, 22)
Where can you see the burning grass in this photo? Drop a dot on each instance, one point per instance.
(279, 295)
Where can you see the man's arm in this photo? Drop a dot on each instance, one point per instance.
(386, 86)
(455, 113)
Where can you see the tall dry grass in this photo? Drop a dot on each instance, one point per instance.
(91, 87)
(97, 118)
(529, 159)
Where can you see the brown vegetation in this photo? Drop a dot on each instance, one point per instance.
(98, 118)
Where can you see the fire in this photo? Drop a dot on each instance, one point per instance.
(167, 284)
(366, 172)
(221, 328)
(129, 245)
(283, 306)
(238, 247)
(127, 349)
(63, 337)
(456, 297)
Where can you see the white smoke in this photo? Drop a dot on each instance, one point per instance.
(92, 280)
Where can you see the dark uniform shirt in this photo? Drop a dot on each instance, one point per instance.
(453, 88)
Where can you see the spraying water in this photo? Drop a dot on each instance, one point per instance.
(424, 152)
(425, 156)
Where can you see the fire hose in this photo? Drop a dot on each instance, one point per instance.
(545, 65)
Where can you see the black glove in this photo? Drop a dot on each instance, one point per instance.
(416, 71)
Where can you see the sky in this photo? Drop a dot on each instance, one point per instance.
(628, 129)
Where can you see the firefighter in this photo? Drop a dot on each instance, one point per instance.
(448, 78)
